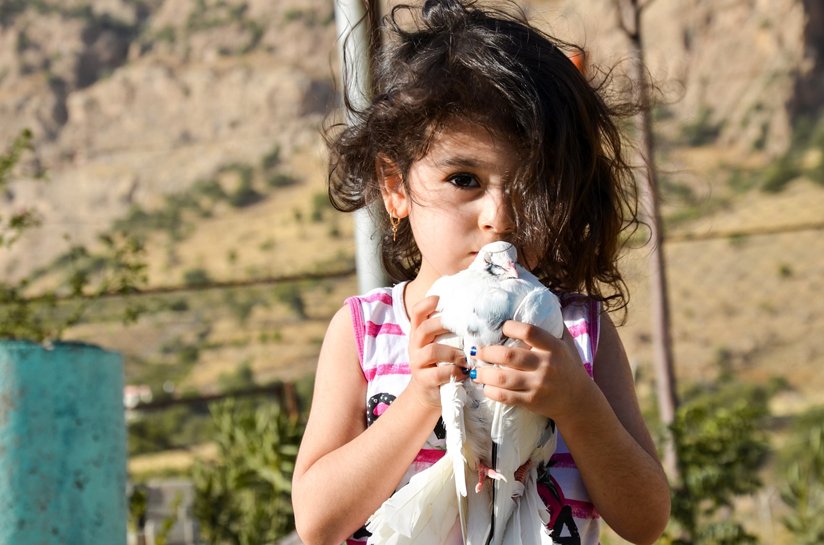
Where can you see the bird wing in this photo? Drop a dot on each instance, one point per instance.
(541, 307)
(519, 435)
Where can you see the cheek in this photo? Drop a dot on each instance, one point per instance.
(434, 218)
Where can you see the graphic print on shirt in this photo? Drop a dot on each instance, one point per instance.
(440, 429)
(376, 406)
(562, 525)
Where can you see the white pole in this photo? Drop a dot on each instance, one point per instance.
(353, 49)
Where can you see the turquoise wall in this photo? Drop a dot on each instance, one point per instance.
(62, 445)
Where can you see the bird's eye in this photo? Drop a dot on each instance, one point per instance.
(463, 181)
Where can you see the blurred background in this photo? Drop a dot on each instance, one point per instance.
(170, 164)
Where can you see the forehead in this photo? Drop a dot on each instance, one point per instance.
(462, 144)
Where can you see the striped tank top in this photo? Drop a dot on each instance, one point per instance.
(381, 326)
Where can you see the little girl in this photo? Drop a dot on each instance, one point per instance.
(480, 129)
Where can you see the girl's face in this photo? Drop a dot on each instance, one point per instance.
(457, 198)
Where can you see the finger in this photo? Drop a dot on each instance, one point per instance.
(512, 357)
(532, 335)
(448, 372)
(435, 353)
(427, 332)
(501, 378)
(437, 375)
(421, 310)
(507, 397)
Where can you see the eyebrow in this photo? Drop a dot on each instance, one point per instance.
(462, 162)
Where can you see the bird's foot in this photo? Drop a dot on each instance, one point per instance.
(485, 472)
(520, 473)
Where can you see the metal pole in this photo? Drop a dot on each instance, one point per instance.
(354, 48)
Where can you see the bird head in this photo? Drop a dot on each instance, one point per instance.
(498, 259)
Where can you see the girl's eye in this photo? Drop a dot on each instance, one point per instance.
(463, 180)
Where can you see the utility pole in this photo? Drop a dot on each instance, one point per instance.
(357, 39)
(629, 19)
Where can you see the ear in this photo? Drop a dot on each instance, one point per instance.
(395, 197)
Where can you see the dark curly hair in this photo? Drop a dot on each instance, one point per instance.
(453, 59)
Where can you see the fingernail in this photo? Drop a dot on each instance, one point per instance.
(473, 350)
(473, 374)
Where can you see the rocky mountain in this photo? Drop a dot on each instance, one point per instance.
(745, 68)
(131, 100)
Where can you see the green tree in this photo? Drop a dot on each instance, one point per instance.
(721, 442)
(118, 268)
(12, 227)
(803, 490)
(244, 497)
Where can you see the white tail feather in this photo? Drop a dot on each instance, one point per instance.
(530, 516)
(453, 402)
(479, 507)
(422, 512)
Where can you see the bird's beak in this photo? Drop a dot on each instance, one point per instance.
(512, 271)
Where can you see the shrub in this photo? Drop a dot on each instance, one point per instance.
(271, 160)
(178, 426)
(237, 379)
(721, 443)
(291, 296)
(241, 304)
(278, 179)
(244, 196)
(179, 305)
(244, 496)
(198, 277)
(702, 131)
(780, 173)
(803, 489)
(320, 203)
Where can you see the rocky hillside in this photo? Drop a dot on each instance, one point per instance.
(195, 123)
(131, 100)
(743, 68)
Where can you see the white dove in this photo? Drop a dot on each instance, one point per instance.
(483, 437)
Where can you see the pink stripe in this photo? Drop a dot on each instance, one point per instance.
(386, 369)
(429, 456)
(356, 312)
(562, 460)
(576, 330)
(588, 367)
(582, 509)
(373, 329)
(382, 296)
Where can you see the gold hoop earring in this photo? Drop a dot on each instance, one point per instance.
(395, 224)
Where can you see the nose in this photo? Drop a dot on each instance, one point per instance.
(495, 217)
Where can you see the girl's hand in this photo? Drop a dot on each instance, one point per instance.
(425, 354)
(546, 376)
